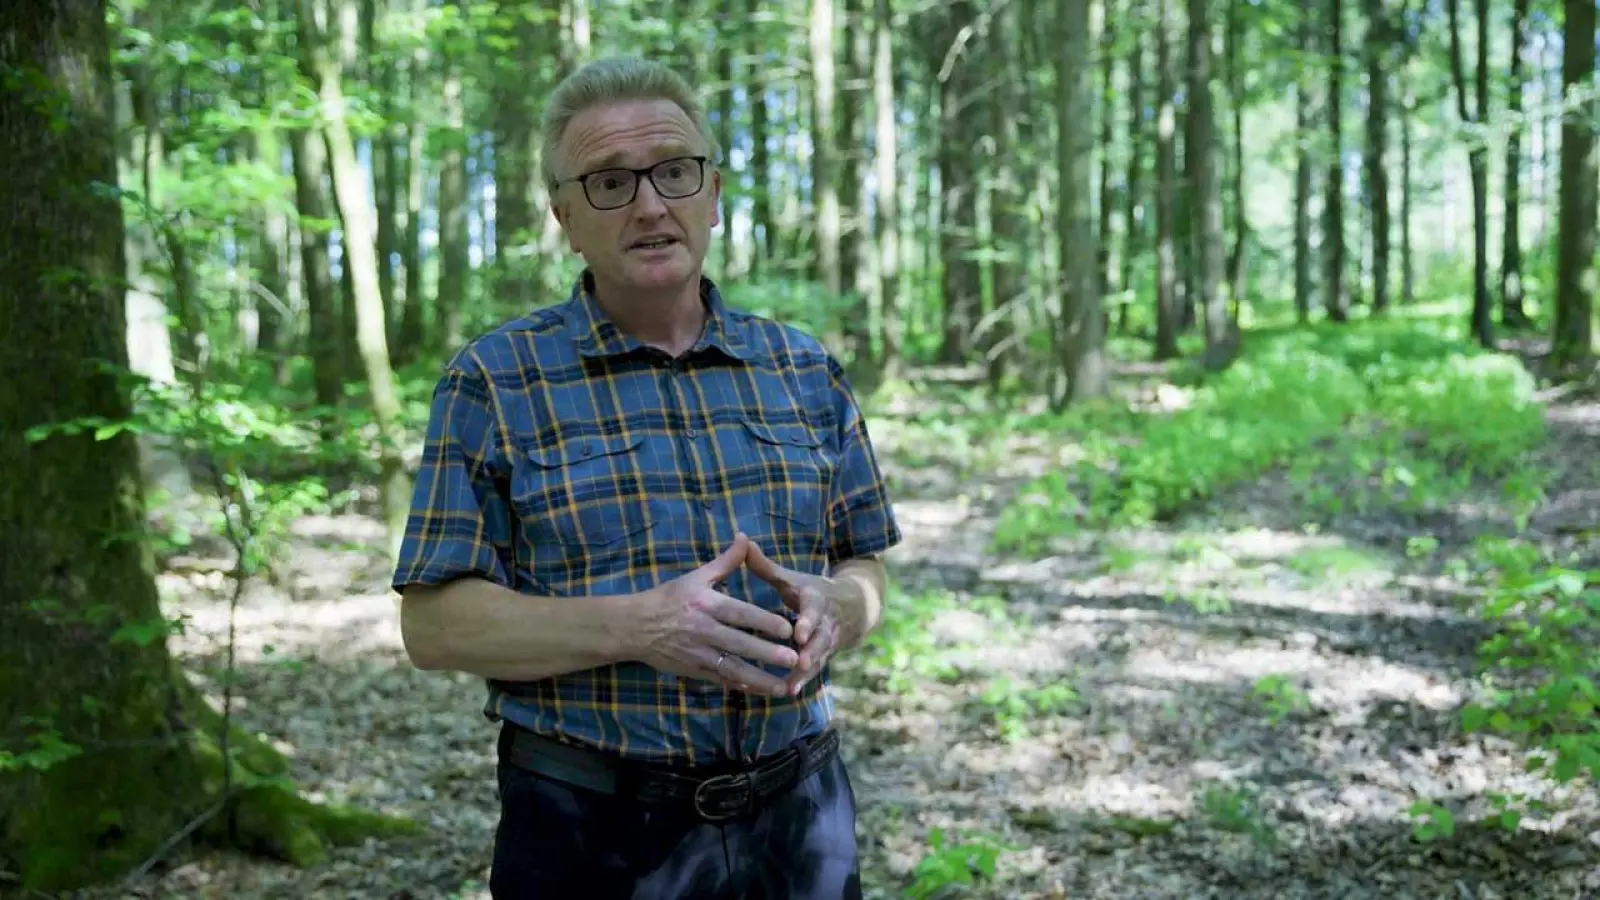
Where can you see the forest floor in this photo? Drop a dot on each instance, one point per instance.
(1232, 704)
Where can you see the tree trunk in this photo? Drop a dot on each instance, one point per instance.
(961, 128)
(514, 119)
(1105, 275)
(1303, 117)
(1408, 263)
(1241, 222)
(763, 238)
(1377, 51)
(1477, 162)
(1007, 205)
(350, 189)
(1573, 336)
(1082, 326)
(1512, 314)
(1166, 345)
(824, 149)
(1206, 186)
(1136, 209)
(1334, 298)
(888, 174)
(92, 814)
(855, 237)
(316, 279)
(108, 750)
(408, 330)
(454, 239)
(731, 181)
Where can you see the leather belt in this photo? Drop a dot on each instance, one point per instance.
(729, 794)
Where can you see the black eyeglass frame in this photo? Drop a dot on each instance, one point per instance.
(638, 178)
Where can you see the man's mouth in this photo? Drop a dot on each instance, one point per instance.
(653, 243)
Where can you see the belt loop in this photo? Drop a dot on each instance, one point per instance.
(802, 747)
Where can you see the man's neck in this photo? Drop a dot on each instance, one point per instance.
(671, 321)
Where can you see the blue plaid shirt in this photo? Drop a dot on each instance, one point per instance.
(564, 458)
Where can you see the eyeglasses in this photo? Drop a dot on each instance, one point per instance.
(674, 179)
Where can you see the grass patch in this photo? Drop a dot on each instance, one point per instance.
(1322, 562)
(1380, 412)
(907, 650)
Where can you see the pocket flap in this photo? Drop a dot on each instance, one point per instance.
(576, 450)
(793, 434)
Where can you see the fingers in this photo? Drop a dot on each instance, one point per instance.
(749, 646)
(729, 560)
(811, 606)
(740, 675)
(764, 568)
(751, 617)
(812, 659)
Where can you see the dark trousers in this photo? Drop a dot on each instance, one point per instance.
(567, 843)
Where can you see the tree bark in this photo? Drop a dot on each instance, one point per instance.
(1303, 117)
(1206, 187)
(1512, 314)
(763, 227)
(316, 279)
(888, 174)
(824, 149)
(1377, 51)
(1335, 300)
(1137, 209)
(1166, 344)
(961, 126)
(1081, 340)
(371, 332)
(1241, 222)
(108, 751)
(514, 119)
(1573, 337)
(1477, 162)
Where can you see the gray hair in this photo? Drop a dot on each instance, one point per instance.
(609, 81)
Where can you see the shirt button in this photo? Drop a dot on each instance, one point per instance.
(692, 433)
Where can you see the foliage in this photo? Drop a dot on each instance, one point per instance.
(1542, 662)
(1389, 412)
(965, 862)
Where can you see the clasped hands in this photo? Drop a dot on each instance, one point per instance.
(690, 628)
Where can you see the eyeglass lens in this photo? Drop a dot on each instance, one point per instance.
(674, 179)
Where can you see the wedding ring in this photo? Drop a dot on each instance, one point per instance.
(720, 660)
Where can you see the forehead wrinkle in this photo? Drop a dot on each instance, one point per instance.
(659, 137)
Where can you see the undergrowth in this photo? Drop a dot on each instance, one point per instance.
(1385, 413)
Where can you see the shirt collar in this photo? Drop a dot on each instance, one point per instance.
(598, 336)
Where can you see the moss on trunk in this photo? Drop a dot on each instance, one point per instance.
(106, 751)
(99, 814)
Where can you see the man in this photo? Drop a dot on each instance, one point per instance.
(648, 521)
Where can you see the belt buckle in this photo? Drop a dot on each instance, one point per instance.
(720, 780)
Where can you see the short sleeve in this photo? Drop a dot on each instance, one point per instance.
(861, 520)
(460, 523)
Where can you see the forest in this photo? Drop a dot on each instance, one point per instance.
(1231, 364)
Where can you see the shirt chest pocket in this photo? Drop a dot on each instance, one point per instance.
(795, 471)
(580, 500)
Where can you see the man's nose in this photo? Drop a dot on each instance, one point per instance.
(648, 203)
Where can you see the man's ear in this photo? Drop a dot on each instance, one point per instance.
(558, 208)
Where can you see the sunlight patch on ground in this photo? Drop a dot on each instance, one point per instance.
(1121, 793)
(342, 626)
(1344, 682)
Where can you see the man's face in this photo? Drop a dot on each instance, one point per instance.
(623, 246)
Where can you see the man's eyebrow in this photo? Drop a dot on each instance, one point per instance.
(618, 158)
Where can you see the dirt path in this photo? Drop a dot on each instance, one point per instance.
(1226, 707)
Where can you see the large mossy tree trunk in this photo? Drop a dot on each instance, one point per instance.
(107, 751)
